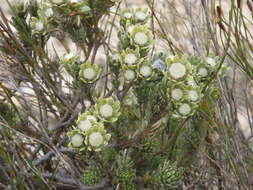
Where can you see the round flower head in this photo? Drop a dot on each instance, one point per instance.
(141, 15)
(141, 36)
(176, 92)
(130, 58)
(129, 75)
(89, 72)
(178, 68)
(203, 71)
(76, 139)
(185, 109)
(85, 121)
(97, 137)
(145, 70)
(107, 109)
(193, 94)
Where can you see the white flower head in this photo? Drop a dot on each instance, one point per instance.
(106, 110)
(184, 109)
(39, 26)
(140, 15)
(177, 70)
(77, 140)
(96, 139)
(86, 124)
(177, 93)
(193, 95)
(203, 72)
(129, 75)
(140, 38)
(89, 73)
(210, 61)
(128, 15)
(49, 12)
(130, 58)
(145, 70)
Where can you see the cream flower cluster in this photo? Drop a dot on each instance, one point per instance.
(135, 40)
(182, 90)
(89, 132)
(186, 79)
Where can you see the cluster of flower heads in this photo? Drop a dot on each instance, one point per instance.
(52, 13)
(186, 78)
(135, 41)
(89, 132)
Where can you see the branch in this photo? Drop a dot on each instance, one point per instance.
(78, 184)
(49, 155)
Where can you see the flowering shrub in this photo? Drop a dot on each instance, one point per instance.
(136, 121)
